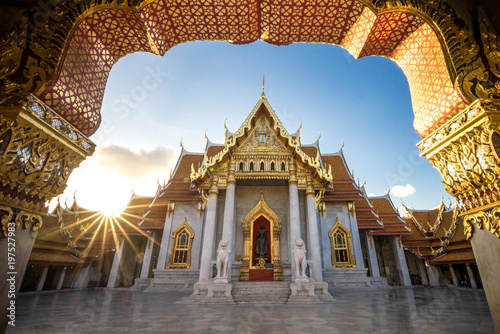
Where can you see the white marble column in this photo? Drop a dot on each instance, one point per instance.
(165, 240)
(228, 224)
(83, 277)
(209, 235)
(61, 279)
(313, 234)
(401, 261)
(148, 256)
(423, 272)
(41, 280)
(472, 277)
(433, 273)
(115, 267)
(453, 275)
(294, 212)
(356, 241)
(372, 256)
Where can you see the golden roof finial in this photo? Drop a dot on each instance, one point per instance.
(180, 144)
(206, 134)
(342, 148)
(388, 190)
(319, 136)
(225, 127)
(263, 95)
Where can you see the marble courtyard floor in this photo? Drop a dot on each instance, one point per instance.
(396, 310)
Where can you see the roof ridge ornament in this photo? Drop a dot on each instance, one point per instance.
(263, 94)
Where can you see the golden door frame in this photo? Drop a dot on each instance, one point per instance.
(261, 209)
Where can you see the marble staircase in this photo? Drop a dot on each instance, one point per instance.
(261, 292)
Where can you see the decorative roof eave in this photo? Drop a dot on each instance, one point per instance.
(293, 142)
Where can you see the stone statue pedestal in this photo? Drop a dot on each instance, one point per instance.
(301, 279)
(303, 292)
(219, 292)
(220, 280)
(214, 292)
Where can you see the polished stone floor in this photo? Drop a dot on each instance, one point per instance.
(396, 310)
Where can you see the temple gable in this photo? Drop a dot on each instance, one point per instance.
(262, 139)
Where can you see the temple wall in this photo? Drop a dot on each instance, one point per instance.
(189, 211)
(277, 198)
(334, 210)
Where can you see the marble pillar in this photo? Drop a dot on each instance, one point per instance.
(372, 256)
(423, 272)
(313, 234)
(472, 277)
(148, 256)
(11, 277)
(486, 247)
(83, 277)
(228, 224)
(60, 282)
(41, 280)
(294, 211)
(433, 273)
(115, 267)
(165, 241)
(401, 264)
(356, 241)
(453, 275)
(209, 235)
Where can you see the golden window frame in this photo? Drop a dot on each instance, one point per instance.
(351, 263)
(184, 265)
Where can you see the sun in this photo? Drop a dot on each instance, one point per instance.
(112, 210)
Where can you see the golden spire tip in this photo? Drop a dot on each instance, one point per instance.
(263, 95)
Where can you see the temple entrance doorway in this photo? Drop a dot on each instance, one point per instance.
(261, 268)
(261, 245)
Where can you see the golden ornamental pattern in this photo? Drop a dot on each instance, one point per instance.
(489, 219)
(38, 151)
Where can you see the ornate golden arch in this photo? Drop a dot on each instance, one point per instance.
(172, 264)
(261, 209)
(351, 263)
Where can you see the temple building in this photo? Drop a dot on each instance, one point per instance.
(439, 251)
(252, 199)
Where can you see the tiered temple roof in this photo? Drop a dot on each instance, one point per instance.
(389, 216)
(438, 235)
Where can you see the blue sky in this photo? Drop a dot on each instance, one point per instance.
(152, 102)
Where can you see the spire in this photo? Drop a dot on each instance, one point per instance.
(263, 95)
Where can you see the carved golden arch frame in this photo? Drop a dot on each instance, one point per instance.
(261, 209)
(170, 262)
(350, 254)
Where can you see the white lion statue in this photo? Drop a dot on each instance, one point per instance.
(223, 258)
(299, 252)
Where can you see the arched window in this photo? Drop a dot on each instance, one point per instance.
(340, 239)
(262, 165)
(282, 166)
(340, 246)
(272, 166)
(251, 166)
(241, 166)
(180, 255)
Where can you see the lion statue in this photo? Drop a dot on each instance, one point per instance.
(299, 252)
(223, 258)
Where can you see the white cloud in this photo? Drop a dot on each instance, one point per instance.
(136, 163)
(371, 195)
(402, 211)
(403, 191)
